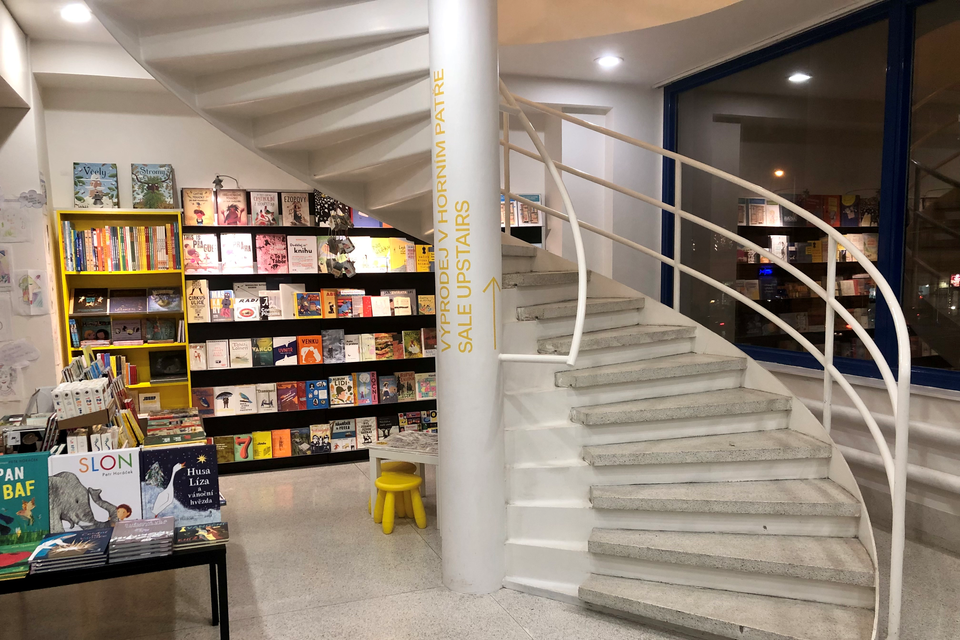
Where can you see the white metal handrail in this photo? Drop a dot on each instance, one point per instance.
(898, 388)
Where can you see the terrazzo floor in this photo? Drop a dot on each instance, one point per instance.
(306, 561)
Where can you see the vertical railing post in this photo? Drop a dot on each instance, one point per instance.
(677, 173)
(831, 290)
(506, 173)
(898, 516)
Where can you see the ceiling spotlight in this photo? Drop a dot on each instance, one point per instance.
(778, 173)
(76, 12)
(799, 77)
(609, 61)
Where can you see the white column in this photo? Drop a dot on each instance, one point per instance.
(466, 212)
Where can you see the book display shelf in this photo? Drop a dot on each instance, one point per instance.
(526, 223)
(804, 246)
(133, 258)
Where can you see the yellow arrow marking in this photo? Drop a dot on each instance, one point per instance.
(493, 281)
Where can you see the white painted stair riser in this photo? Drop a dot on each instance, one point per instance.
(517, 264)
(521, 334)
(514, 297)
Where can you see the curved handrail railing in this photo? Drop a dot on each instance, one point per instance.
(898, 387)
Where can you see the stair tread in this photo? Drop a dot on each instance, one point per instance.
(540, 278)
(782, 444)
(651, 369)
(568, 308)
(842, 560)
(728, 614)
(707, 404)
(810, 497)
(619, 337)
(518, 250)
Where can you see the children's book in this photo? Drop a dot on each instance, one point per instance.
(333, 346)
(236, 252)
(427, 305)
(342, 391)
(384, 345)
(264, 207)
(281, 443)
(246, 399)
(199, 209)
(95, 186)
(287, 396)
(243, 447)
(198, 356)
(232, 207)
(300, 441)
(218, 354)
(127, 331)
(309, 350)
(366, 432)
(270, 308)
(343, 435)
(380, 306)
(288, 299)
(181, 482)
(308, 305)
(267, 398)
(366, 387)
(428, 338)
(317, 394)
(89, 301)
(406, 386)
(221, 305)
(301, 395)
(351, 348)
(241, 353)
(368, 347)
(225, 401)
(388, 425)
(152, 186)
(95, 331)
(246, 309)
(271, 253)
(426, 386)
(412, 346)
(201, 253)
(198, 301)
(262, 445)
(285, 351)
(24, 502)
(320, 438)
(329, 297)
(94, 490)
(160, 330)
(127, 301)
(203, 399)
(225, 449)
(302, 254)
(296, 209)
(164, 300)
(263, 352)
(344, 307)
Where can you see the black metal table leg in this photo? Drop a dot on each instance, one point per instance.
(224, 604)
(214, 595)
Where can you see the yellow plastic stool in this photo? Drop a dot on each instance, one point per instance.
(405, 484)
(394, 466)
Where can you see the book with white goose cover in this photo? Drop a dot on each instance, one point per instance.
(181, 482)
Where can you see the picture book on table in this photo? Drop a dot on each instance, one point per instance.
(309, 350)
(201, 253)
(241, 353)
(94, 490)
(287, 396)
(308, 305)
(264, 208)
(366, 432)
(285, 351)
(366, 387)
(198, 301)
(152, 186)
(203, 400)
(236, 252)
(426, 386)
(95, 186)
(342, 391)
(89, 302)
(164, 300)
(267, 397)
(412, 347)
(317, 394)
(181, 482)
(300, 441)
(243, 447)
(127, 301)
(199, 209)
(24, 506)
(343, 435)
(221, 305)
(232, 207)
(302, 254)
(406, 386)
(263, 352)
(246, 309)
(333, 348)
(198, 356)
(320, 438)
(296, 209)
(271, 253)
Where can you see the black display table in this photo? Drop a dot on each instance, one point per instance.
(214, 555)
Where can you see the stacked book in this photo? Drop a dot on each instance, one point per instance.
(174, 427)
(14, 564)
(141, 539)
(72, 550)
(201, 535)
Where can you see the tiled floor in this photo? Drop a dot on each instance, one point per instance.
(306, 561)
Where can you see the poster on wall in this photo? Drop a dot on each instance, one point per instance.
(6, 267)
(95, 186)
(14, 225)
(30, 295)
(9, 384)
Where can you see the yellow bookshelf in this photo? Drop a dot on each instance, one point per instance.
(172, 394)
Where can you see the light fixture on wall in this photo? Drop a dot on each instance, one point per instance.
(608, 61)
(799, 77)
(218, 181)
(76, 12)
(778, 173)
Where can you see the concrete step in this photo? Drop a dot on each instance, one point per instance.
(688, 364)
(783, 444)
(803, 498)
(726, 614)
(518, 250)
(568, 308)
(614, 338)
(841, 560)
(540, 278)
(695, 405)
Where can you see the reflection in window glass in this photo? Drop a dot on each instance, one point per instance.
(931, 279)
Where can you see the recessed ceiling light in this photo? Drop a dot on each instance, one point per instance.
(609, 61)
(778, 173)
(76, 12)
(799, 77)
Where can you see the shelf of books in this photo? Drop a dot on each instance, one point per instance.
(804, 246)
(122, 287)
(526, 222)
(305, 347)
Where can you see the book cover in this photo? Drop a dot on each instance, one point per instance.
(95, 331)
(396, 341)
(226, 401)
(383, 343)
(368, 347)
(202, 535)
(402, 301)
(343, 435)
(424, 257)
(302, 254)
(329, 299)
(232, 207)
(325, 256)
(280, 443)
(248, 289)
(199, 209)
(181, 482)
(246, 309)
(89, 301)
(264, 206)
(351, 348)
(333, 347)
(869, 211)
(218, 354)
(160, 330)
(406, 386)
(380, 305)
(126, 330)
(309, 350)
(288, 299)
(127, 301)
(398, 255)
(198, 301)
(262, 352)
(366, 388)
(24, 502)
(236, 252)
(94, 490)
(285, 351)
(241, 353)
(410, 420)
(262, 445)
(320, 438)
(164, 300)
(317, 394)
(426, 386)
(295, 208)
(366, 432)
(428, 338)
(427, 305)
(849, 212)
(95, 186)
(201, 253)
(267, 398)
(388, 426)
(271, 253)
(344, 307)
(221, 305)
(203, 399)
(270, 308)
(300, 441)
(308, 305)
(225, 449)
(287, 396)
(243, 447)
(342, 391)
(152, 186)
(412, 347)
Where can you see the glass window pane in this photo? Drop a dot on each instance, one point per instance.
(931, 279)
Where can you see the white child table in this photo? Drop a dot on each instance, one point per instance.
(418, 447)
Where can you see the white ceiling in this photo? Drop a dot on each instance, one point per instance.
(40, 19)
